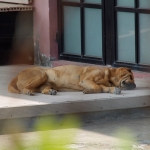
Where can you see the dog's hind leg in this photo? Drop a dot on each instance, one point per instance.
(29, 81)
(47, 89)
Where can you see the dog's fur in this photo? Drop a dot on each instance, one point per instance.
(88, 79)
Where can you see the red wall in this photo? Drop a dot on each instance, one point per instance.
(45, 27)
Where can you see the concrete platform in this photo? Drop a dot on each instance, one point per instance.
(20, 106)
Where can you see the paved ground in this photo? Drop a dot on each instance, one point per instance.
(107, 135)
(122, 133)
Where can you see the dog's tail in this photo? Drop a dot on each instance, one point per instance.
(12, 87)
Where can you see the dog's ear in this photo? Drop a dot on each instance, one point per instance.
(129, 69)
(113, 69)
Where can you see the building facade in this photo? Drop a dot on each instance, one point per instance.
(104, 32)
(115, 32)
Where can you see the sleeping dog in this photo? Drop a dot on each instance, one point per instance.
(89, 79)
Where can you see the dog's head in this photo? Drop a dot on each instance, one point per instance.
(123, 78)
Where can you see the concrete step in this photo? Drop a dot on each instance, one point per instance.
(22, 106)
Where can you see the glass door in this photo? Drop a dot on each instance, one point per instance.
(108, 32)
(82, 30)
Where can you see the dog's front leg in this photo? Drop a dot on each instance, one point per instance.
(113, 90)
(90, 87)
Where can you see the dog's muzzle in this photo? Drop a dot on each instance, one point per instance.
(128, 86)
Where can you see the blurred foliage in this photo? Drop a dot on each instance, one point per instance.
(126, 137)
(53, 134)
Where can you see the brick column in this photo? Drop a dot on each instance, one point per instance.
(45, 28)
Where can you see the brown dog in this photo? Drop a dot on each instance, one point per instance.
(87, 79)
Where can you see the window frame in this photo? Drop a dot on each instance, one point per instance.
(137, 11)
(82, 57)
(109, 35)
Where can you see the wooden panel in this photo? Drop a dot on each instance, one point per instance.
(17, 1)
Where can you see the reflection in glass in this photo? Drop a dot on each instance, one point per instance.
(72, 30)
(93, 32)
(144, 3)
(93, 1)
(71, 0)
(126, 37)
(125, 3)
(145, 38)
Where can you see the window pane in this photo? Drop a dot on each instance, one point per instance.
(71, 0)
(126, 37)
(144, 38)
(93, 1)
(125, 3)
(72, 30)
(145, 3)
(93, 32)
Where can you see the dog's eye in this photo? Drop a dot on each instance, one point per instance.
(123, 82)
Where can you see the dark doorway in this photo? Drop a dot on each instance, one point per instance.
(16, 37)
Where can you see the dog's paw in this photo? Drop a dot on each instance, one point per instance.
(52, 92)
(86, 91)
(30, 93)
(117, 91)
